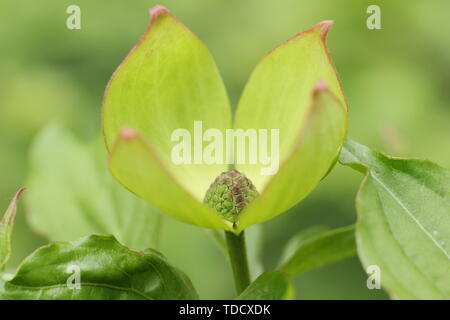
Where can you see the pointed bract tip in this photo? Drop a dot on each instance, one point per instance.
(18, 193)
(325, 26)
(128, 133)
(156, 11)
(321, 85)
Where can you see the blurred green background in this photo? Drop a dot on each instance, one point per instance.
(396, 79)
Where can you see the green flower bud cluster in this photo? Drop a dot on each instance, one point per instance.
(230, 193)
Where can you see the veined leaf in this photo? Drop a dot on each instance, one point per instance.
(301, 237)
(6, 228)
(403, 222)
(269, 286)
(72, 194)
(96, 267)
(320, 248)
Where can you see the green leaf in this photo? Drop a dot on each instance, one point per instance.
(6, 228)
(317, 145)
(269, 286)
(106, 270)
(319, 249)
(403, 222)
(168, 81)
(72, 194)
(299, 239)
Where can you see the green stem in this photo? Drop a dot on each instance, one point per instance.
(238, 259)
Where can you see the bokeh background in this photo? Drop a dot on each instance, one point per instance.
(397, 81)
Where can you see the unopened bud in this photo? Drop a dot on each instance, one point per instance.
(230, 193)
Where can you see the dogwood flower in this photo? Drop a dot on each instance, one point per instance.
(169, 81)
